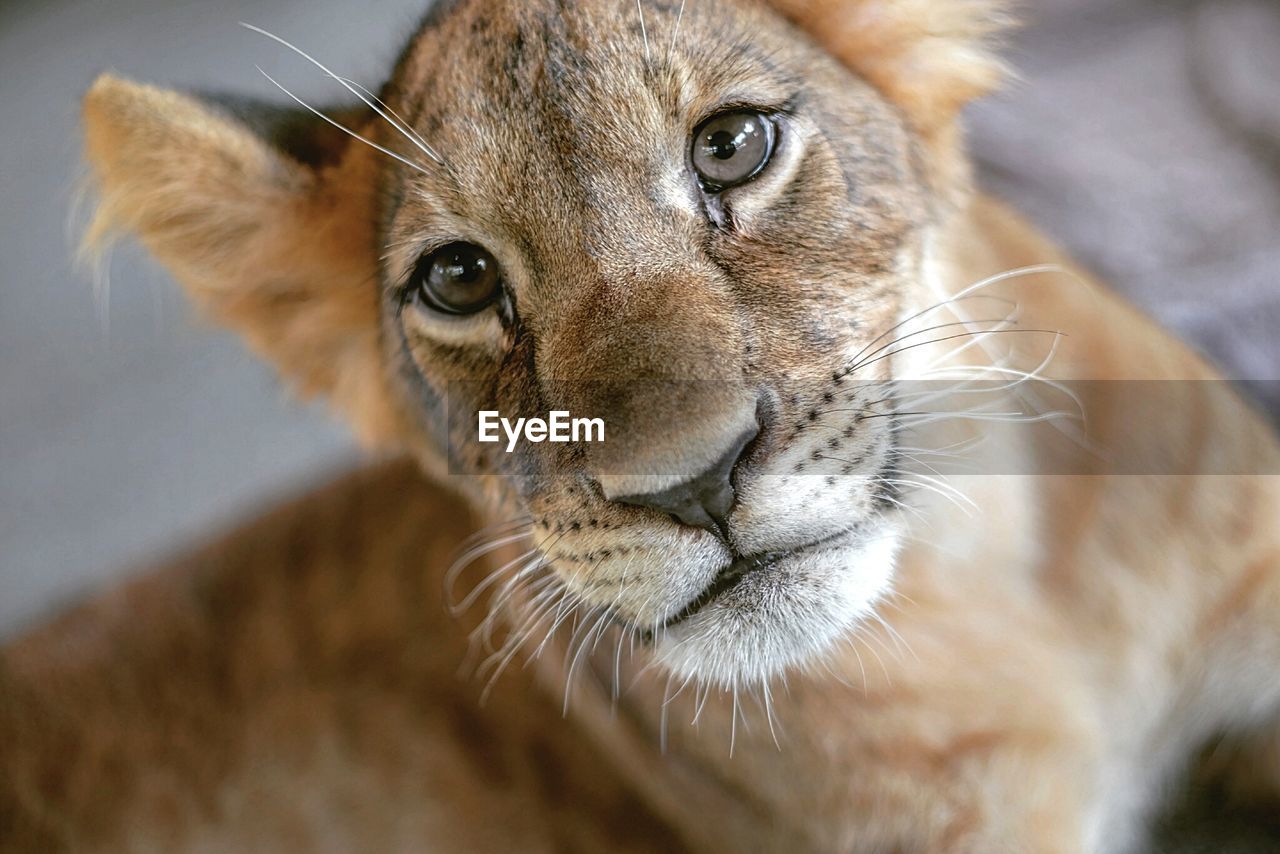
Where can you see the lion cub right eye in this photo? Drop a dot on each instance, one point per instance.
(460, 278)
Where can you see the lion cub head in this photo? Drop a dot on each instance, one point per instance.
(694, 222)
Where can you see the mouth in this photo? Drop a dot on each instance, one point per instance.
(742, 567)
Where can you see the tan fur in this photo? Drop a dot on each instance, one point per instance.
(1041, 673)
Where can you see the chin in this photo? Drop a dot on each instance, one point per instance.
(787, 612)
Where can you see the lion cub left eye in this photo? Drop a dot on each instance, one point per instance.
(460, 278)
(732, 148)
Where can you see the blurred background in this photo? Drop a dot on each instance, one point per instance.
(1144, 136)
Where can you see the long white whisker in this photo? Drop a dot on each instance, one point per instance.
(663, 711)
(575, 651)
(426, 149)
(342, 127)
(976, 334)
(978, 339)
(733, 722)
(676, 32)
(955, 496)
(644, 32)
(381, 103)
(511, 647)
(466, 558)
(969, 292)
(498, 602)
(1031, 270)
(494, 529)
(917, 420)
(898, 639)
(934, 328)
(459, 607)
(768, 714)
(492, 577)
(921, 313)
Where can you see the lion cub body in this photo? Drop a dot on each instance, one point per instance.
(296, 686)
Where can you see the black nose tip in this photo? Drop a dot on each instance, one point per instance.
(704, 501)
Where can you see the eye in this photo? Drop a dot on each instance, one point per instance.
(460, 278)
(732, 148)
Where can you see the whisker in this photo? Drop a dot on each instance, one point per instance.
(381, 103)
(675, 35)
(574, 656)
(935, 328)
(663, 713)
(733, 722)
(617, 669)
(984, 332)
(977, 340)
(967, 293)
(422, 146)
(644, 32)
(951, 494)
(508, 654)
(340, 126)
(495, 528)
(921, 313)
(907, 508)
(977, 415)
(885, 670)
(488, 581)
(862, 667)
(467, 557)
(898, 639)
(768, 713)
(552, 600)
(524, 576)
(560, 618)
(700, 695)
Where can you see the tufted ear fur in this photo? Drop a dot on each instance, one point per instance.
(265, 218)
(931, 57)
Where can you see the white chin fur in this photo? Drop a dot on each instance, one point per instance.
(785, 615)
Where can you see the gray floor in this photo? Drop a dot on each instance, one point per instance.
(1143, 136)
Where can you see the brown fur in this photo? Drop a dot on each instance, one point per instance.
(234, 701)
(1042, 673)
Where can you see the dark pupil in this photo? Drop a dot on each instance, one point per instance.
(722, 145)
(461, 278)
(463, 268)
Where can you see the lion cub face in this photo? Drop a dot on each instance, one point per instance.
(692, 241)
(687, 221)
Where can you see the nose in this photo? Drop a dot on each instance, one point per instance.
(704, 501)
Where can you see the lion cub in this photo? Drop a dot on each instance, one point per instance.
(900, 534)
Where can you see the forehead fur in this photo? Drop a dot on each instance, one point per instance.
(528, 92)
(586, 60)
(535, 47)
(580, 114)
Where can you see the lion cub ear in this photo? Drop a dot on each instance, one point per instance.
(272, 233)
(930, 57)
